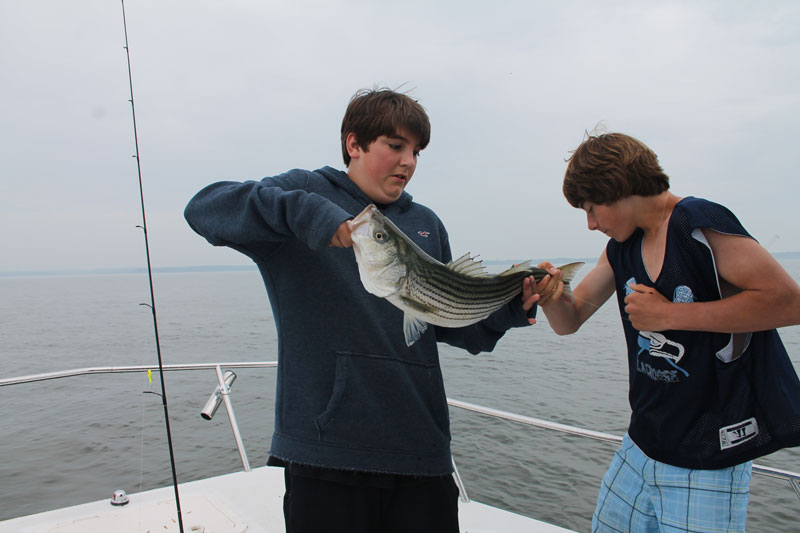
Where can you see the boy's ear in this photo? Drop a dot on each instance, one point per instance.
(353, 148)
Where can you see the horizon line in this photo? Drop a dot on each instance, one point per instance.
(250, 267)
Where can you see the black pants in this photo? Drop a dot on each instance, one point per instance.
(404, 505)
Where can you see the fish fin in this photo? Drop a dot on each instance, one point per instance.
(468, 265)
(521, 267)
(413, 328)
(568, 274)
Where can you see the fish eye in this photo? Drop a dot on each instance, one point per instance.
(379, 235)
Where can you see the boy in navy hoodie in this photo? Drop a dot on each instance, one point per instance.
(361, 419)
(710, 384)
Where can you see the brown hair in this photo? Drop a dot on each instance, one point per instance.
(375, 112)
(611, 166)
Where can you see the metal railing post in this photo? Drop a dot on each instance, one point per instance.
(462, 490)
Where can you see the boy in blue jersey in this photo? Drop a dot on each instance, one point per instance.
(711, 385)
(361, 419)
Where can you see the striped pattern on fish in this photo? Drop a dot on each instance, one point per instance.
(456, 298)
(454, 295)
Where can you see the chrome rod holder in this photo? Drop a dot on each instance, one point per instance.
(222, 394)
(215, 400)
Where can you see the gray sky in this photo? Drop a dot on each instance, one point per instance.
(246, 89)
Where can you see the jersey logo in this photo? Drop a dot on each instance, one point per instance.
(658, 345)
(423, 233)
(737, 434)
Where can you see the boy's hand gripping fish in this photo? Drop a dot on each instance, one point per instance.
(454, 295)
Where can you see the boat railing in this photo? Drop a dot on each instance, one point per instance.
(221, 394)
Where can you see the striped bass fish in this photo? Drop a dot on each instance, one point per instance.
(454, 295)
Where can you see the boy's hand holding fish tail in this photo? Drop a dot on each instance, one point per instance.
(551, 287)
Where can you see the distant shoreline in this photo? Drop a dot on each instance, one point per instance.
(248, 268)
(128, 271)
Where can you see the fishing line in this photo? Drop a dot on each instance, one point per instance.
(152, 304)
(587, 302)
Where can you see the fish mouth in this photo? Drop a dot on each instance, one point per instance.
(356, 223)
(363, 217)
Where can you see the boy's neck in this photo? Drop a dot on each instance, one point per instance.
(654, 223)
(656, 212)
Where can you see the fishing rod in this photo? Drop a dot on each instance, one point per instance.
(152, 304)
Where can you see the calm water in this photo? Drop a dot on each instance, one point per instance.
(75, 440)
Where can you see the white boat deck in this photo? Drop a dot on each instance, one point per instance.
(233, 503)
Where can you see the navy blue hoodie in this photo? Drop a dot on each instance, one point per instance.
(350, 394)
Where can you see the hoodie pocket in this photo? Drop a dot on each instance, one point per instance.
(383, 403)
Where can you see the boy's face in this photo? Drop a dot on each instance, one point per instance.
(383, 170)
(615, 220)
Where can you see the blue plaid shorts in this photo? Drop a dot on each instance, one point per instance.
(640, 494)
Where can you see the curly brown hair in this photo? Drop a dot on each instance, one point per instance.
(375, 112)
(611, 166)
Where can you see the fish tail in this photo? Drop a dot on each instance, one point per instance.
(568, 274)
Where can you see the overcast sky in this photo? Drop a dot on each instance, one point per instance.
(247, 89)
